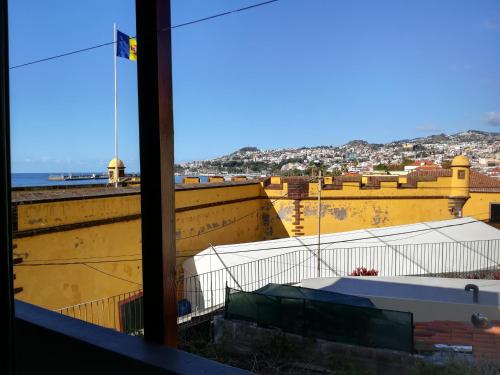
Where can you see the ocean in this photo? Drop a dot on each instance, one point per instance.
(42, 179)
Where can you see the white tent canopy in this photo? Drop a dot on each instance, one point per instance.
(458, 245)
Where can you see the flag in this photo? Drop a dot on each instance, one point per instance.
(126, 46)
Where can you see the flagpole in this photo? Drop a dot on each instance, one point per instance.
(116, 110)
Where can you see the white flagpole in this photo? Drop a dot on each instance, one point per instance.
(116, 110)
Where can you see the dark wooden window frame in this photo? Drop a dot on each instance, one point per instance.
(157, 184)
(6, 271)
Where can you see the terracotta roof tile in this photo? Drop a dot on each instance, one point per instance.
(425, 175)
(481, 183)
(438, 172)
(478, 182)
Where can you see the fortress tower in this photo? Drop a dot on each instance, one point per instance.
(460, 184)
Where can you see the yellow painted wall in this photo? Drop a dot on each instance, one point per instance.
(56, 284)
(219, 225)
(355, 207)
(187, 197)
(216, 215)
(215, 179)
(346, 215)
(108, 249)
(191, 180)
(202, 220)
(46, 215)
(339, 215)
(238, 178)
(280, 219)
(478, 205)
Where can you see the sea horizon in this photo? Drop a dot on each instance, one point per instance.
(26, 179)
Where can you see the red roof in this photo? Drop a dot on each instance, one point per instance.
(430, 172)
(485, 342)
(420, 163)
(481, 183)
(431, 166)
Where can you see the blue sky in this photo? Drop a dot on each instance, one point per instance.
(292, 73)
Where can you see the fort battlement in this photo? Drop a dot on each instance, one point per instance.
(73, 238)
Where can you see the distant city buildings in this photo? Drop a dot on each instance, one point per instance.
(482, 148)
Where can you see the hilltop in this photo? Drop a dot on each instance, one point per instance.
(480, 146)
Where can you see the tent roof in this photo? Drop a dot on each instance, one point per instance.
(438, 247)
(455, 230)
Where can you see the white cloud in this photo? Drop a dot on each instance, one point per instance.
(493, 118)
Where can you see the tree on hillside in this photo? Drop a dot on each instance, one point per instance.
(381, 167)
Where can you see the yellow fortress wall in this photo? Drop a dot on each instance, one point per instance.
(83, 244)
(479, 204)
(356, 202)
(484, 192)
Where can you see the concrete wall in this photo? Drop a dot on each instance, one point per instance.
(427, 311)
(427, 298)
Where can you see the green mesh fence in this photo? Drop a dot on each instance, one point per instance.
(356, 325)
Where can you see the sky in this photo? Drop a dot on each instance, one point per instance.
(289, 74)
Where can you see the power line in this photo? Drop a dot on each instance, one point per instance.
(250, 214)
(62, 55)
(257, 282)
(223, 14)
(55, 263)
(111, 275)
(85, 260)
(234, 221)
(334, 242)
(270, 203)
(89, 266)
(172, 27)
(25, 261)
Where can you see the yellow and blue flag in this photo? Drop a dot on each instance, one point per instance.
(126, 46)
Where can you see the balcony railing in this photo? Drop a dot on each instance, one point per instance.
(122, 312)
(201, 295)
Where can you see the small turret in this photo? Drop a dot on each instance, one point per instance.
(460, 167)
(115, 165)
(460, 183)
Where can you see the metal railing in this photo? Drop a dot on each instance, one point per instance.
(468, 259)
(202, 294)
(122, 312)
